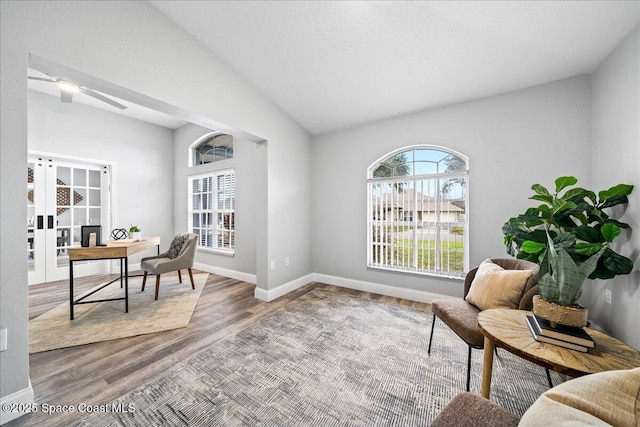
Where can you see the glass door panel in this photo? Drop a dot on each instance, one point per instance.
(35, 220)
(73, 194)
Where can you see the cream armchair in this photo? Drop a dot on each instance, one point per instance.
(164, 263)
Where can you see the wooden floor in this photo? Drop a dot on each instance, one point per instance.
(96, 374)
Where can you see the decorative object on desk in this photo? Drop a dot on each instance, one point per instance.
(135, 232)
(537, 335)
(565, 333)
(119, 233)
(85, 235)
(107, 321)
(569, 236)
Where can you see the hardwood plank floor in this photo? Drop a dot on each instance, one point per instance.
(96, 374)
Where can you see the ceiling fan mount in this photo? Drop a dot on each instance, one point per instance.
(68, 88)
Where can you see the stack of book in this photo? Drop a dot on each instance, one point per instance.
(563, 336)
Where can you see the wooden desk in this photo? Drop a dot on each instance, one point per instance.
(508, 329)
(115, 249)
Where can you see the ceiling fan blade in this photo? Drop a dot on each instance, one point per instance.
(42, 79)
(66, 96)
(102, 98)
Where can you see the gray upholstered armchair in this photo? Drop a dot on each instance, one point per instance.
(178, 257)
(460, 315)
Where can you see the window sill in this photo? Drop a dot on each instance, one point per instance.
(216, 251)
(417, 273)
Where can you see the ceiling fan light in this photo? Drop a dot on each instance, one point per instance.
(67, 86)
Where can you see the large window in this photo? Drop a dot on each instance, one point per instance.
(212, 209)
(418, 212)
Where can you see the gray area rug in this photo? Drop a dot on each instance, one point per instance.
(327, 359)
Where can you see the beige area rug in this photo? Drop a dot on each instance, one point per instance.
(107, 320)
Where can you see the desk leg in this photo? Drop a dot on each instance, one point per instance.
(487, 368)
(71, 289)
(121, 270)
(126, 283)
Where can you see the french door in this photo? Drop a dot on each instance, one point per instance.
(62, 196)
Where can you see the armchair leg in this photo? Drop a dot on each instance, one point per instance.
(433, 323)
(179, 277)
(144, 281)
(157, 285)
(193, 285)
(469, 369)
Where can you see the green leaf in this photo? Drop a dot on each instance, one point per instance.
(532, 247)
(587, 234)
(564, 182)
(618, 190)
(575, 194)
(614, 201)
(547, 198)
(564, 240)
(560, 205)
(581, 218)
(610, 232)
(618, 223)
(617, 263)
(540, 189)
(588, 248)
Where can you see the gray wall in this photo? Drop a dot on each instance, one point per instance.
(512, 141)
(244, 162)
(616, 159)
(107, 40)
(142, 155)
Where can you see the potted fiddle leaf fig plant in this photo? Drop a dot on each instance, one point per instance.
(569, 235)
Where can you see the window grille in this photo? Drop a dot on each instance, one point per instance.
(212, 209)
(418, 212)
(212, 148)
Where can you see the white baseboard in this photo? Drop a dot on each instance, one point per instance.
(378, 288)
(21, 399)
(232, 274)
(271, 294)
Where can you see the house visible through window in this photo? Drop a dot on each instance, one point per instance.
(418, 212)
(212, 148)
(212, 209)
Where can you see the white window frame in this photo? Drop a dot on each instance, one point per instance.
(383, 217)
(215, 227)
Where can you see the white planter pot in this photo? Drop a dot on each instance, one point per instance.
(136, 235)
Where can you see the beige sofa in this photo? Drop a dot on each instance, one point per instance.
(606, 398)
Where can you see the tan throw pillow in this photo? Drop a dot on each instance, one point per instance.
(495, 287)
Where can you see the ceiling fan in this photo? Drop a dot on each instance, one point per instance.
(67, 89)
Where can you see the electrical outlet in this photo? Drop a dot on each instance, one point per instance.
(286, 262)
(273, 265)
(607, 296)
(3, 339)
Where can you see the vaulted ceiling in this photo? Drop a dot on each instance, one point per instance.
(336, 64)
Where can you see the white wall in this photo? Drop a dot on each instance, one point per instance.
(141, 153)
(512, 141)
(616, 159)
(130, 44)
(244, 160)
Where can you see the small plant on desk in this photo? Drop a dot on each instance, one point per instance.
(135, 232)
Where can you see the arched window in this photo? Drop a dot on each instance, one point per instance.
(211, 148)
(418, 212)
